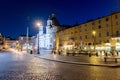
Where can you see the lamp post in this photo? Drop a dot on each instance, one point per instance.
(38, 24)
(27, 42)
(94, 36)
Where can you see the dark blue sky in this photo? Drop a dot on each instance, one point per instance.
(16, 15)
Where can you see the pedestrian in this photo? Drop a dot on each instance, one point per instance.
(89, 54)
(112, 53)
(105, 53)
(59, 52)
(52, 52)
(96, 53)
(31, 51)
(117, 53)
(21, 48)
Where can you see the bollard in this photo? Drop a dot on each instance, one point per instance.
(117, 53)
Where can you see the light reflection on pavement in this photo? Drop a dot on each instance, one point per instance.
(21, 66)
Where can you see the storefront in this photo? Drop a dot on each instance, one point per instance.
(115, 43)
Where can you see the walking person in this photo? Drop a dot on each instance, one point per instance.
(59, 52)
(31, 51)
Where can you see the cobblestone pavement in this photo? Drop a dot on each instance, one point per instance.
(78, 58)
(19, 66)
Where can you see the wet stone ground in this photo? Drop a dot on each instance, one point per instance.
(21, 66)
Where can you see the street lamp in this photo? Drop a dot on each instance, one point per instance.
(94, 36)
(38, 24)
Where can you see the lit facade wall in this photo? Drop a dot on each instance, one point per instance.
(23, 42)
(1, 39)
(50, 35)
(47, 40)
(106, 28)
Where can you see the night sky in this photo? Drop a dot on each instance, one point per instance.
(16, 15)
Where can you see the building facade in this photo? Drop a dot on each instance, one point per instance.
(1, 39)
(23, 44)
(10, 43)
(100, 34)
(47, 34)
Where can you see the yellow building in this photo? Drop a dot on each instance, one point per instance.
(100, 34)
